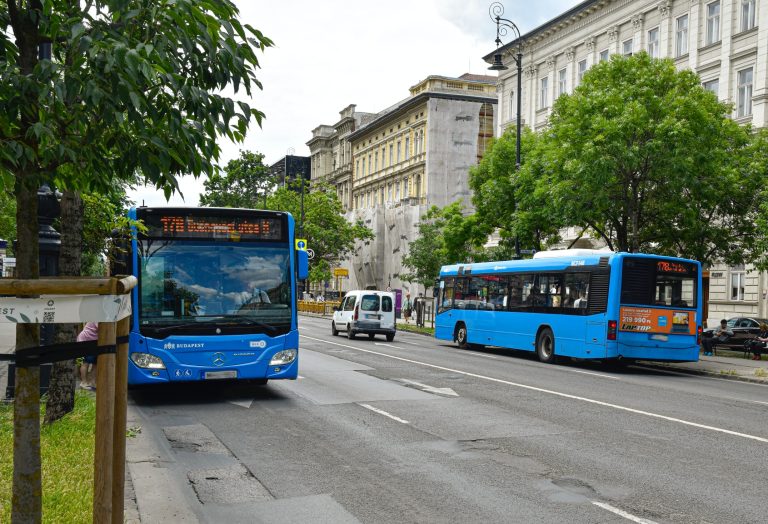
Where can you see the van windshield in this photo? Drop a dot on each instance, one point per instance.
(369, 303)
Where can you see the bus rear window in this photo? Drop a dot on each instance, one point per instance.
(653, 282)
(369, 303)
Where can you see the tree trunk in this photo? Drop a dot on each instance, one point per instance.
(61, 390)
(27, 488)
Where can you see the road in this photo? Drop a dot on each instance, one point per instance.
(417, 430)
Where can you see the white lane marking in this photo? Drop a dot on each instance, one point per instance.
(242, 403)
(300, 377)
(481, 355)
(551, 392)
(759, 402)
(622, 513)
(412, 343)
(590, 373)
(382, 412)
(387, 345)
(431, 389)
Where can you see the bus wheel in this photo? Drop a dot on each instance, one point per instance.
(461, 335)
(545, 346)
(334, 331)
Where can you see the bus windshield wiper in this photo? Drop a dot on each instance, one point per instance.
(242, 319)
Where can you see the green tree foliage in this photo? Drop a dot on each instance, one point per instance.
(245, 183)
(133, 86)
(328, 233)
(646, 158)
(514, 202)
(7, 216)
(757, 166)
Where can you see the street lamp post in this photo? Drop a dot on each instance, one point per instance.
(495, 11)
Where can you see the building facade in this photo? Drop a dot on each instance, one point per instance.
(393, 165)
(724, 41)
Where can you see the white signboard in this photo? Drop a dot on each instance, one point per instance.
(65, 309)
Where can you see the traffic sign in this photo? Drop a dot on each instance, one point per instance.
(340, 272)
(301, 244)
(310, 254)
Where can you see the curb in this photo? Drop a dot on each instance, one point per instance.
(702, 372)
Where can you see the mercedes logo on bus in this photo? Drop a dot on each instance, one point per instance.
(218, 359)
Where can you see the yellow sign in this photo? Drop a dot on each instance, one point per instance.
(340, 272)
(301, 244)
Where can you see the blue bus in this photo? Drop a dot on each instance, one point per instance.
(584, 304)
(216, 295)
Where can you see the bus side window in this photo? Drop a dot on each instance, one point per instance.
(576, 290)
(446, 296)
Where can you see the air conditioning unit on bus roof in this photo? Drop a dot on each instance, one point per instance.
(557, 253)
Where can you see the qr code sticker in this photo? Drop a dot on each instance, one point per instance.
(48, 316)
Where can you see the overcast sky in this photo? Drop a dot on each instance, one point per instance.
(332, 53)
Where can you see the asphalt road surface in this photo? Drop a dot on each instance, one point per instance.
(417, 430)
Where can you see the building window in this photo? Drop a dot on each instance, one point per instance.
(512, 106)
(421, 141)
(747, 14)
(383, 155)
(364, 171)
(397, 191)
(605, 54)
(681, 36)
(357, 169)
(407, 147)
(391, 154)
(485, 130)
(375, 161)
(627, 47)
(744, 93)
(653, 43)
(561, 83)
(737, 282)
(713, 86)
(405, 187)
(543, 88)
(713, 23)
(357, 202)
(381, 195)
(398, 151)
(389, 192)
(417, 189)
(582, 70)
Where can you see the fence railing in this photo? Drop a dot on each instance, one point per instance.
(319, 308)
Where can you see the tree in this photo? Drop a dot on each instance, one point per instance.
(246, 183)
(132, 86)
(7, 216)
(328, 233)
(646, 158)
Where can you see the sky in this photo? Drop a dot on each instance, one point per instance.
(332, 53)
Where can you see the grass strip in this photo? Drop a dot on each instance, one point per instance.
(412, 328)
(67, 456)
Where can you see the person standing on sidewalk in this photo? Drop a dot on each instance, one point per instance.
(88, 366)
(407, 307)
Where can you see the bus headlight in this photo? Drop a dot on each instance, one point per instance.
(283, 357)
(147, 361)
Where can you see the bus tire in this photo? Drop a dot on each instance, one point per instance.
(334, 331)
(545, 346)
(461, 335)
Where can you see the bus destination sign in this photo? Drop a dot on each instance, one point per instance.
(235, 228)
(668, 266)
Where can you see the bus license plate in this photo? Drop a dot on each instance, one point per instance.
(662, 338)
(217, 375)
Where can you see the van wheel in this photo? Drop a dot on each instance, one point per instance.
(334, 331)
(371, 335)
(350, 333)
(390, 337)
(545, 346)
(461, 335)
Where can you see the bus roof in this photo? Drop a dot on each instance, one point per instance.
(548, 262)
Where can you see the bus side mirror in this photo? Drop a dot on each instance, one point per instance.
(302, 269)
(435, 291)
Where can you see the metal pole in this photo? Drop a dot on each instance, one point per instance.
(519, 61)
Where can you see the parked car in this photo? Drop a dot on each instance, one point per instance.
(365, 311)
(743, 329)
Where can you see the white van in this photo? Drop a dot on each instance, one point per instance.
(365, 311)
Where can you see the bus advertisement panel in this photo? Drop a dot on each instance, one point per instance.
(216, 295)
(576, 303)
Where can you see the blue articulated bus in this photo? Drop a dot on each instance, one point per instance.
(216, 297)
(585, 304)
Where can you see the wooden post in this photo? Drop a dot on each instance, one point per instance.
(105, 427)
(121, 414)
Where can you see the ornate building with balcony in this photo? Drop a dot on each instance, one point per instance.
(331, 152)
(724, 41)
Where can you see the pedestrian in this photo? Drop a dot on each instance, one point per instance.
(420, 305)
(88, 365)
(407, 307)
(758, 345)
(721, 334)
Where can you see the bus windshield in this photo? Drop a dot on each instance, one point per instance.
(188, 283)
(655, 282)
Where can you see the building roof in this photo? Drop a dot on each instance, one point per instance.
(479, 78)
